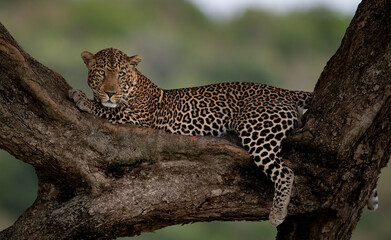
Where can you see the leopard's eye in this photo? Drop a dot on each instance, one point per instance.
(101, 72)
(120, 74)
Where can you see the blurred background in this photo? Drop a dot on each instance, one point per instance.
(285, 43)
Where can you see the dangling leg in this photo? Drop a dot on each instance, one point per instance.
(261, 131)
(282, 194)
(282, 177)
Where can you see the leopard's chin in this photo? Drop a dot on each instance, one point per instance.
(109, 104)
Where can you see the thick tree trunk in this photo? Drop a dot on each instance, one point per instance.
(101, 181)
(347, 137)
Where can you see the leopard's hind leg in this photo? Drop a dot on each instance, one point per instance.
(261, 129)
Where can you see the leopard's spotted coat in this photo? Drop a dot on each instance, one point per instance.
(261, 115)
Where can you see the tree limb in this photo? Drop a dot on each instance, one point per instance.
(90, 171)
(102, 181)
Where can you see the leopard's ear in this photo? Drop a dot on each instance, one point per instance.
(134, 60)
(88, 58)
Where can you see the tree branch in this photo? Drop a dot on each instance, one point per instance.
(101, 181)
(90, 170)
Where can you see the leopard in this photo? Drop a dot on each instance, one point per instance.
(260, 115)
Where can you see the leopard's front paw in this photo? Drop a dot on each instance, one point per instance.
(80, 99)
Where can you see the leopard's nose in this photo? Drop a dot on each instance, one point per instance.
(110, 94)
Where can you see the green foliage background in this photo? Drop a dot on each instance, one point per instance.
(181, 47)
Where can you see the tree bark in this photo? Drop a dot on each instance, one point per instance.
(102, 181)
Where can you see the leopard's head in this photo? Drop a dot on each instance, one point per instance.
(112, 75)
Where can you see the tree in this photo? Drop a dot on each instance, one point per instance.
(101, 181)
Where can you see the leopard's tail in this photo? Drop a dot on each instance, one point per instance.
(373, 201)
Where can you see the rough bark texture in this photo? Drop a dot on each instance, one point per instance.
(101, 181)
